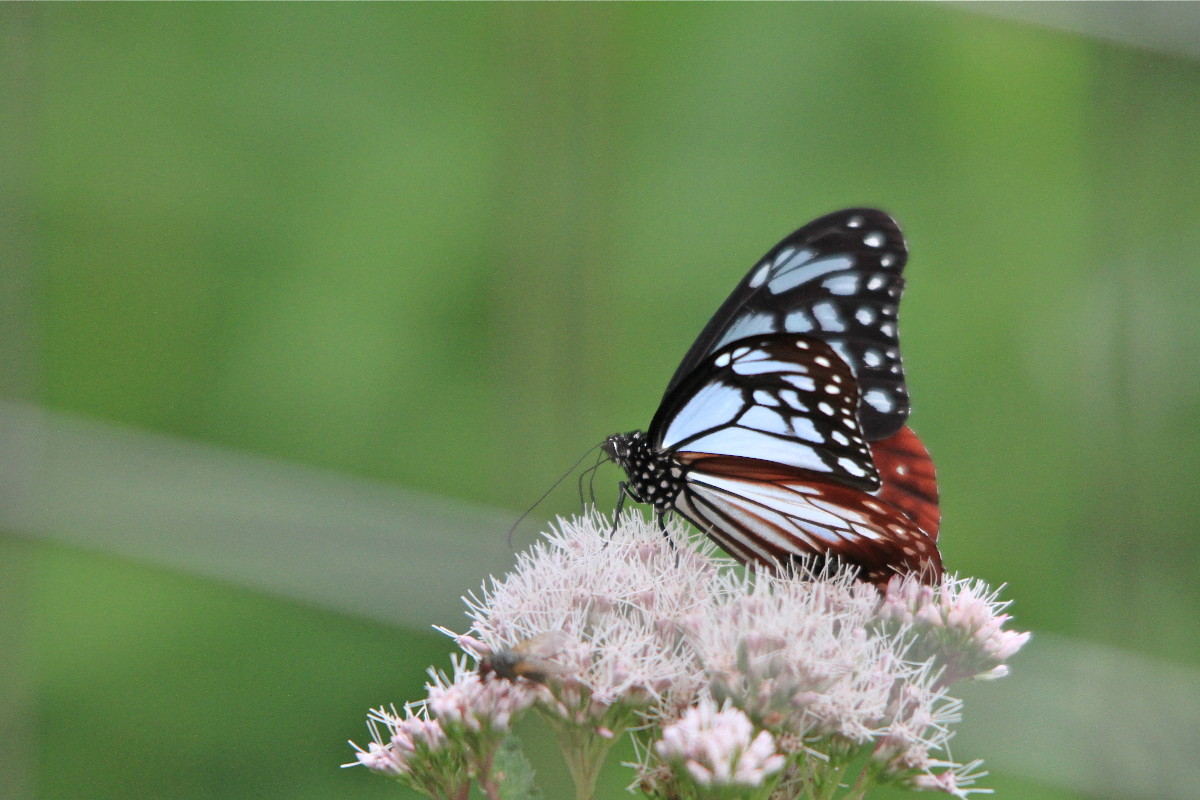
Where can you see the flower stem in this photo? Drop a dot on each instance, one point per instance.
(584, 751)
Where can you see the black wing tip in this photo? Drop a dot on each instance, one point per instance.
(869, 214)
(851, 222)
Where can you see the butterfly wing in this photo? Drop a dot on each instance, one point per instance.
(837, 279)
(782, 399)
(776, 465)
(909, 479)
(764, 515)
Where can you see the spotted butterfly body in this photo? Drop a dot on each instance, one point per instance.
(782, 433)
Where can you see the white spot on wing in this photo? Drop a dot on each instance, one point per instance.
(852, 467)
(765, 398)
(786, 253)
(843, 285)
(755, 366)
(799, 321)
(866, 531)
(804, 429)
(879, 400)
(801, 382)
(792, 400)
(828, 316)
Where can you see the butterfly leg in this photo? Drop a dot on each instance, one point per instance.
(662, 526)
(622, 493)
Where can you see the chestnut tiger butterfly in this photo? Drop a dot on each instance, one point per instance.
(782, 434)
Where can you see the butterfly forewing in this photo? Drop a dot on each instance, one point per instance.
(784, 399)
(837, 279)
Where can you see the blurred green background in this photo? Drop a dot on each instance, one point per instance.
(443, 249)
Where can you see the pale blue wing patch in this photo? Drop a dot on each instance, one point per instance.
(747, 325)
(714, 405)
(800, 269)
(748, 443)
(787, 401)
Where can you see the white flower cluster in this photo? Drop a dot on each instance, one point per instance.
(733, 685)
(719, 747)
(959, 625)
(438, 746)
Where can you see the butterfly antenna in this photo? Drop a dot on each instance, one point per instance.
(592, 479)
(579, 483)
(546, 494)
(590, 474)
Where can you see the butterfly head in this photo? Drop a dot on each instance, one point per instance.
(654, 477)
(620, 446)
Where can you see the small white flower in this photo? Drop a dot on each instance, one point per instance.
(477, 704)
(379, 758)
(415, 750)
(719, 748)
(396, 739)
(954, 779)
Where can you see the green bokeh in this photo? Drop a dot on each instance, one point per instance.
(452, 246)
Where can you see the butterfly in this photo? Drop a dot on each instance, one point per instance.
(782, 435)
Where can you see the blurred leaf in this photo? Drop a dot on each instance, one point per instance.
(518, 782)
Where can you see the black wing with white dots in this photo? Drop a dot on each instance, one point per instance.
(837, 279)
(785, 399)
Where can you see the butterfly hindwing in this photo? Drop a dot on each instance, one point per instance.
(765, 515)
(837, 279)
(909, 479)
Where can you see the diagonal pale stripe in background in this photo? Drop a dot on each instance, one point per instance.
(1073, 714)
(308, 534)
